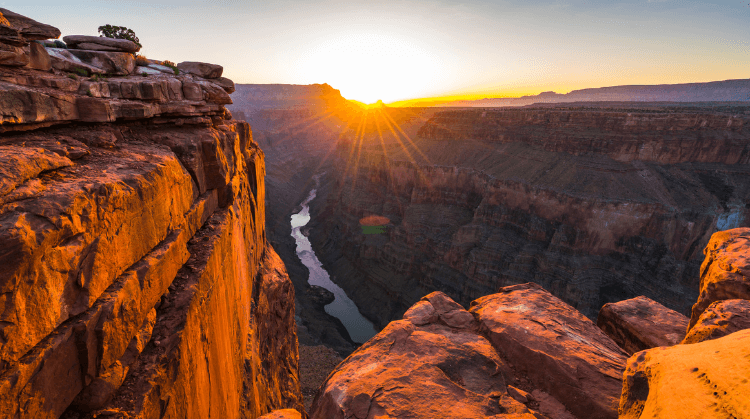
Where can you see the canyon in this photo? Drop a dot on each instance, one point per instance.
(558, 261)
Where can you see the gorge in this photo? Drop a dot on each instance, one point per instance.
(170, 243)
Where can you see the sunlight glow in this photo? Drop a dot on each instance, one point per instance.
(368, 67)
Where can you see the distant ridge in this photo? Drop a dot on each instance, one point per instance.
(715, 91)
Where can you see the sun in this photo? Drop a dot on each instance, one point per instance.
(369, 67)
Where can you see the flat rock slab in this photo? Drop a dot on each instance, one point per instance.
(641, 323)
(100, 43)
(720, 319)
(704, 380)
(560, 351)
(30, 28)
(63, 59)
(421, 367)
(725, 270)
(205, 70)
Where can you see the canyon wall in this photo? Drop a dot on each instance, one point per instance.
(596, 205)
(136, 277)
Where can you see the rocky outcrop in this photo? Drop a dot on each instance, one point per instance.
(641, 323)
(725, 272)
(721, 318)
(596, 205)
(100, 43)
(205, 70)
(520, 353)
(703, 380)
(137, 279)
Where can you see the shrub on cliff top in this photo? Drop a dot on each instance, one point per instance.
(119, 32)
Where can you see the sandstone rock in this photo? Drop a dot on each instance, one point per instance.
(13, 56)
(30, 28)
(192, 90)
(100, 43)
(3, 20)
(64, 60)
(147, 70)
(282, 414)
(719, 319)
(560, 351)
(11, 37)
(427, 370)
(115, 63)
(19, 164)
(725, 272)
(92, 109)
(641, 323)
(205, 70)
(703, 380)
(225, 83)
(214, 93)
(39, 59)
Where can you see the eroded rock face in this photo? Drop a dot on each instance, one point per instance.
(205, 70)
(136, 277)
(282, 414)
(594, 205)
(706, 380)
(30, 28)
(641, 323)
(720, 319)
(725, 272)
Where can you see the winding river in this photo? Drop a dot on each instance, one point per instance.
(360, 329)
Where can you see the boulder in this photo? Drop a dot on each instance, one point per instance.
(720, 319)
(554, 348)
(30, 28)
(226, 84)
(725, 270)
(703, 380)
(64, 60)
(114, 63)
(431, 364)
(100, 43)
(39, 59)
(205, 70)
(641, 323)
(214, 93)
(282, 414)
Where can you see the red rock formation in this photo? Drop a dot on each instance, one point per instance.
(554, 347)
(282, 414)
(136, 277)
(641, 323)
(523, 353)
(720, 319)
(703, 380)
(725, 272)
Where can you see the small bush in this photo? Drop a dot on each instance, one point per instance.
(144, 74)
(60, 44)
(72, 76)
(171, 65)
(82, 72)
(141, 60)
(119, 32)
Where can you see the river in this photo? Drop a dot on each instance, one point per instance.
(343, 308)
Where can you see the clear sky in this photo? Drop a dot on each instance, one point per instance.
(402, 49)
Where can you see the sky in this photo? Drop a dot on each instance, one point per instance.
(405, 49)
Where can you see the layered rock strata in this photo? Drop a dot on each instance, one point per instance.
(521, 353)
(641, 323)
(137, 280)
(596, 205)
(721, 318)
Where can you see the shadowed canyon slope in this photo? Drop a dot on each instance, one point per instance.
(136, 277)
(596, 205)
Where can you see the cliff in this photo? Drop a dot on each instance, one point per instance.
(137, 280)
(596, 206)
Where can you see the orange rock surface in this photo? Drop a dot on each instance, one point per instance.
(720, 319)
(641, 323)
(704, 380)
(725, 272)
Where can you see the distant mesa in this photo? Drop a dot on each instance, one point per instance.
(374, 220)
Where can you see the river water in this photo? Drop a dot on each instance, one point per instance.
(360, 329)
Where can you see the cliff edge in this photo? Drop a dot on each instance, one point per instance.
(136, 277)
